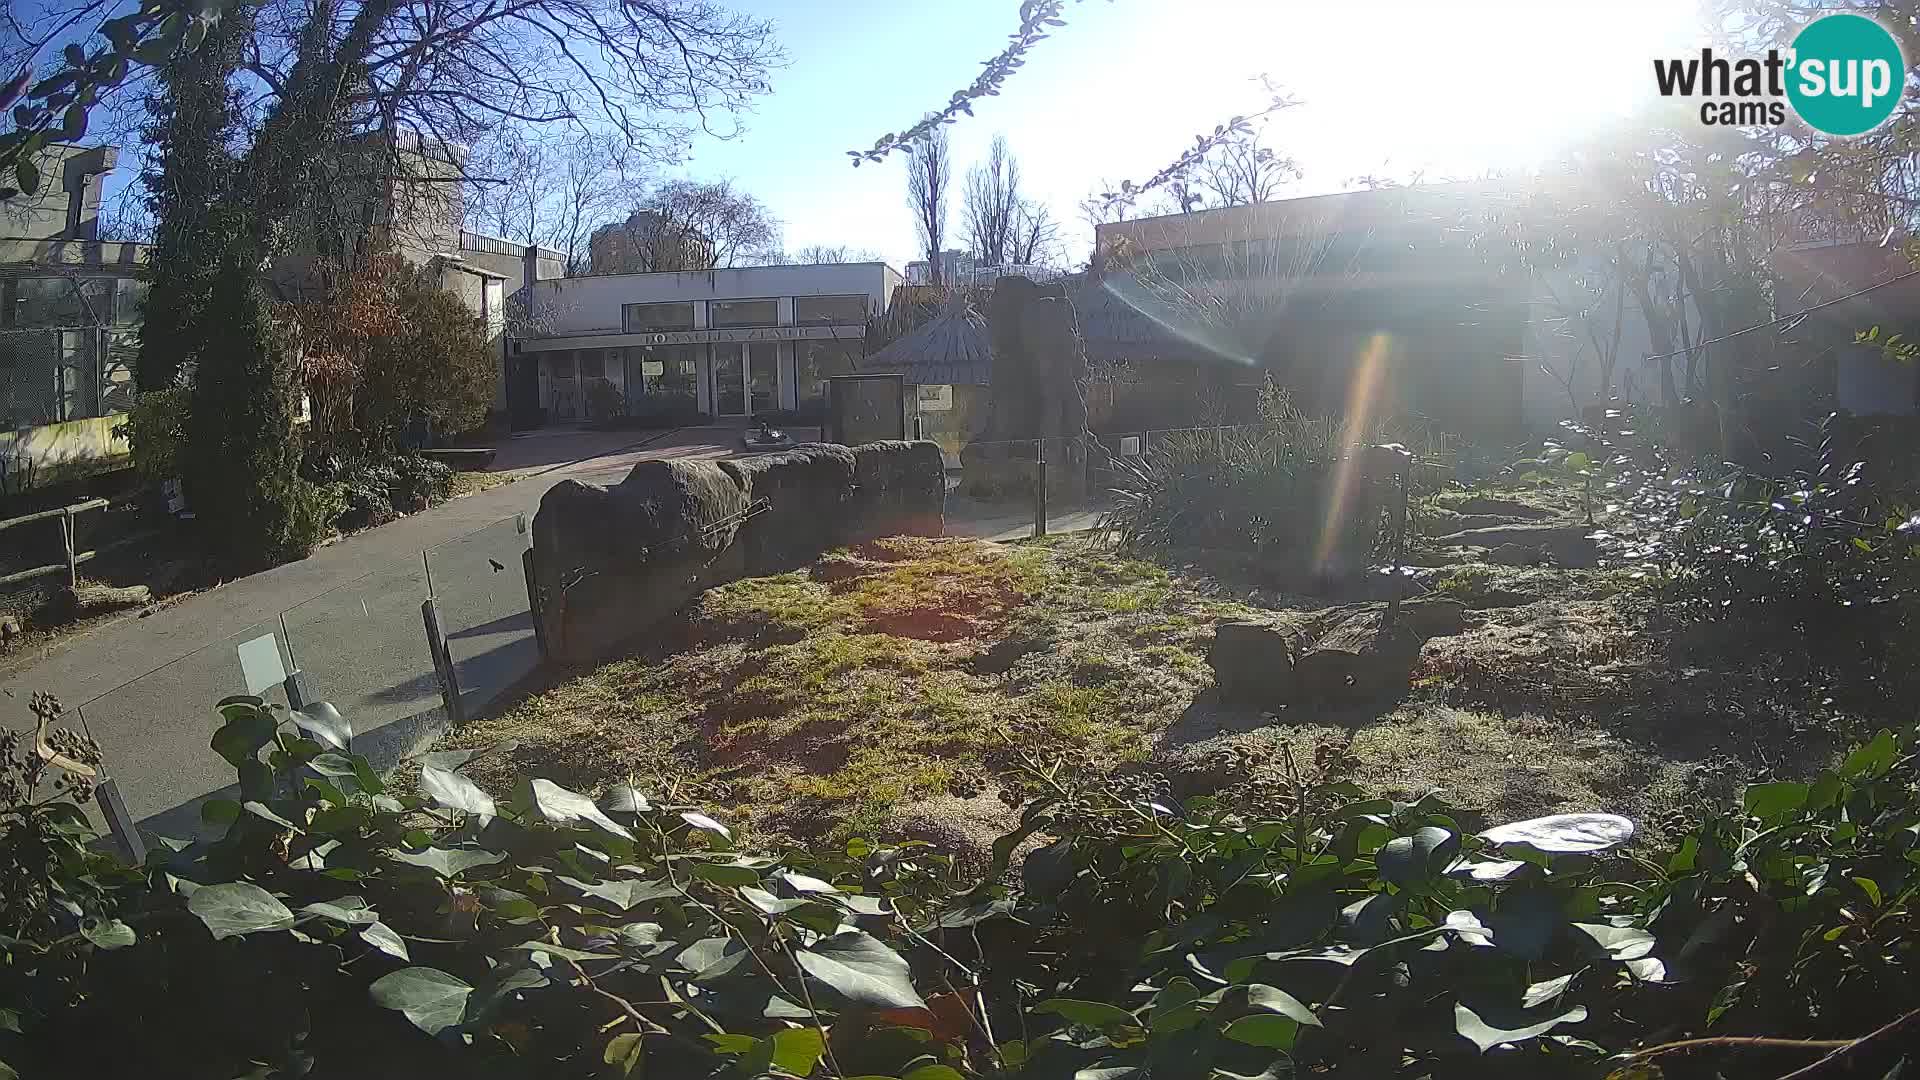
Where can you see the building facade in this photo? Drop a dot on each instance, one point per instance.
(644, 243)
(733, 344)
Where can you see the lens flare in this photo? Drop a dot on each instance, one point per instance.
(1363, 397)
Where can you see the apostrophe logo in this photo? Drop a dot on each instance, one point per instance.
(1843, 76)
(1847, 75)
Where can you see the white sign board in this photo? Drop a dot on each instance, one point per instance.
(1130, 446)
(653, 369)
(937, 398)
(260, 664)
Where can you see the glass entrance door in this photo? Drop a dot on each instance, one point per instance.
(729, 379)
(763, 365)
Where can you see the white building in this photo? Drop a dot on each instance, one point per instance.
(732, 343)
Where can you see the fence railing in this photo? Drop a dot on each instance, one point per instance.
(64, 517)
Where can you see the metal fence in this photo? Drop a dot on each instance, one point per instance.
(365, 646)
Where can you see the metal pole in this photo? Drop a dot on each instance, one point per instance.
(442, 662)
(919, 427)
(533, 606)
(66, 540)
(1405, 478)
(114, 808)
(1040, 487)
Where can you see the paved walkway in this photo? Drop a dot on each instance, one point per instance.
(349, 618)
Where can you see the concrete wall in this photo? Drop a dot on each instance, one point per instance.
(585, 305)
(63, 452)
(68, 202)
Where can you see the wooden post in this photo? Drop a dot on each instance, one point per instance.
(66, 541)
(533, 606)
(1040, 487)
(442, 662)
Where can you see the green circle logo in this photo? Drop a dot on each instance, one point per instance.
(1847, 74)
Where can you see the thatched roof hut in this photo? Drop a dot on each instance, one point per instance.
(953, 347)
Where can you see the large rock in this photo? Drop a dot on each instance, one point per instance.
(1359, 657)
(1566, 545)
(900, 489)
(1252, 664)
(611, 562)
(806, 491)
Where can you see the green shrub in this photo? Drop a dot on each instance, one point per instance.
(340, 928)
(1270, 487)
(156, 432)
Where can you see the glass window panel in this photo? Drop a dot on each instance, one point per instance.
(814, 362)
(657, 318)
(130, 302)
(723, 314)
(763, 367)
(828, 310)
(729, 379)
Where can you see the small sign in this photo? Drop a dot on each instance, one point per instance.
(935, 398)
(1129, 446)
(653, 369)
(261, 665)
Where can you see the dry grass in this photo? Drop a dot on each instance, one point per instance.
(880, 685)
(890, 690)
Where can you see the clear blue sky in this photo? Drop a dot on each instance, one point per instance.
(1394, 87)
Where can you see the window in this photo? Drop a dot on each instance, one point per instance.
(657, 318)
(723, 314)
(591, 365)
(129, 304)
(829, 310)
(813, 362)
(46, 301)
(663, 374)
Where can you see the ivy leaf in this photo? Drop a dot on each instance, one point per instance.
(563, 807)
(1093, 1014)
(1264, 1029)
(623, 893)
(431, 998)
(710, 959)
(233, 908)
(1767, 801)
(1871, 758)
(1542, 992)
(798, 1050)
(107, 933)
(244, 734)
(625, 1052)
(455, 792)
(27, 175)
(347, 910)
(708, 825)
(862, 970)
(1564, 833)
(1274, 999)
(1407, 859)
(725, 873)
(1486, 1036)
(382, 937)
(626, 799)
(448, 862)
(324, 723)
(1619, 942)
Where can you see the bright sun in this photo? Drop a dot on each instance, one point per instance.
(1460, 87)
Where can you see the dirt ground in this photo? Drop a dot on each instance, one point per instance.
(899, 689)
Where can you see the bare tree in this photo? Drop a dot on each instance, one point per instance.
(929, 175)
(992, 204)
(689, 225)
(554, 191)
(1241, 172)
(822, 255)
(1035, 235)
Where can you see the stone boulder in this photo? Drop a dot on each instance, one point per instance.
(611, 562)
(1252, 663)
(900, 489)
(1566, 545)
(806, 491)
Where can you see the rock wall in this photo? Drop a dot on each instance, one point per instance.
(611, 562)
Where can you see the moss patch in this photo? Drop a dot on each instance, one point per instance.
(897, 674)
